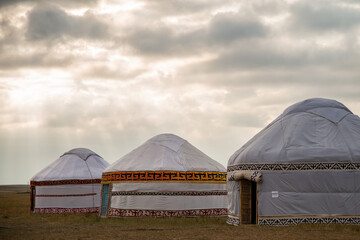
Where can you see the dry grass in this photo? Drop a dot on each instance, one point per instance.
(16, 222)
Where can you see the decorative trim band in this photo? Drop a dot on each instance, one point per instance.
(319, 166)
(67, 195)
(161, 176)
(66, 210)
(114, 212)
(184, 193)
(233, 220)
(283, 221)
(65, 182)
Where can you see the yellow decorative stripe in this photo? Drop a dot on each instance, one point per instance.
(161, 176)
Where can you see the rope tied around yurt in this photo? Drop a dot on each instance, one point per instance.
(254, 176)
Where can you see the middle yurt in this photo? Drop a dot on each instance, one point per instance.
(165, 176)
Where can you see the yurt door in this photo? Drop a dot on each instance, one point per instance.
(32, 198)
(104, 199)
(248, 205)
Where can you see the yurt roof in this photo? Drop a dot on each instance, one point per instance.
(330, 109)
(314, 130)
(166, 152)
(82, 153)
(78, 163)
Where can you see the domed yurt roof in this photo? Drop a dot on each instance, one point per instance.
(166, 152)
(314, 130)
(78, 163)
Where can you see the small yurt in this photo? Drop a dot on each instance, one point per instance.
(70, 184)
(304, 167)
(164, 177)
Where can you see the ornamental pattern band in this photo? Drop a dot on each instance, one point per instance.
(114, 212)
(66, 195)
(65, 182)
(283, 221)
(67, 210)
(233, 220)
(320, 166)
(173, 176)
(182, 193)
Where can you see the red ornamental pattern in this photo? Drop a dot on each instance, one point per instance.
(164, 176)
(113, 212)
(64, 182)
(67, 210)
(182, 193)
(67, 195)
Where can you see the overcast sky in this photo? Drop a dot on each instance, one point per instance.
(109, 75)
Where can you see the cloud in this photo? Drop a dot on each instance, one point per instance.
(179, 7)
(47, 36)
(324, 16)
(35, 60)
(268, 7)
(269, 54)
(64, 3)
(245, 119)
(10, 34)
(227, 28)
(153, 41)
(159, 39)
(249, 56)
(51, 22)
(120, 70)
(6, 3)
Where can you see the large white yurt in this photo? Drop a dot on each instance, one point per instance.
(304, 167)
(165, 176)
(70, 184)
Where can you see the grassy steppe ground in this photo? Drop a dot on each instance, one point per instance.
(16, 222)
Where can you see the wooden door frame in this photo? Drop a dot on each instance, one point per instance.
(32, 198)
(244, 202)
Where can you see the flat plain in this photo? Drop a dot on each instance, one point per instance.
(16, 222)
